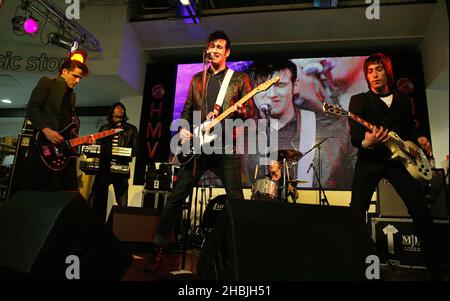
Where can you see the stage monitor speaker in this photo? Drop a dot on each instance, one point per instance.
(390, 204)
(39, 230)
(134, 224)
(258, 240)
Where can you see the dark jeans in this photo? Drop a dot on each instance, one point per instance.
(40, 177)
(98, 199)
(366, 178)
(227, 167)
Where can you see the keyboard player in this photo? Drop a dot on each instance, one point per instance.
(111, 167)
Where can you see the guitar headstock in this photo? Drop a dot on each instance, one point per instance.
(266, 85)
(328, 108)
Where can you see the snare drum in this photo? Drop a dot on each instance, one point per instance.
(265, 190)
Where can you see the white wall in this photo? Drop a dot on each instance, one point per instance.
(435, 57)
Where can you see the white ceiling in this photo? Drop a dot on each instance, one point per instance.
(289, 33)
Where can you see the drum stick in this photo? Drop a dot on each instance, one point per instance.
(256, 171)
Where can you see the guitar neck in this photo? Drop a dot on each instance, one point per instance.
(361, 121)
(83, 140)
(229, 111)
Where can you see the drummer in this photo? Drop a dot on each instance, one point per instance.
(275, 174)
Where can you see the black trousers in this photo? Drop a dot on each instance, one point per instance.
(98, 198)
(366, 177)
(39, 177)
(227, 167)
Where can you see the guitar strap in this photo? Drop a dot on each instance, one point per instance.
(223, 91)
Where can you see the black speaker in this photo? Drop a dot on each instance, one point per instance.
(19, 172)
(390, 204)
(39, 230)
(257, 240)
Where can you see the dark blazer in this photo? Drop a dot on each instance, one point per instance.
(239, 87)
(44, 106)
(397, 118)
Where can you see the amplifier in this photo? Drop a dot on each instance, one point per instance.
(390, 204)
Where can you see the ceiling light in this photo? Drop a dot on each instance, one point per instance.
(31, 26)
(185, 2)
(22, 25)
(61, 41)
(6, 101)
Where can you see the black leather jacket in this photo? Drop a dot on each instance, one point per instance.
(127, 138)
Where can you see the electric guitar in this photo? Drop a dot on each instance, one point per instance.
(57, 156)
(202, 133)
(406, 152)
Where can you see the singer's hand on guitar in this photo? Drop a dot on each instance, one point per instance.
(377, 136)
(426, 145)
(185, 135)
(53, 136)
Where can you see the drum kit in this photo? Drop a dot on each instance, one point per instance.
(266, 189)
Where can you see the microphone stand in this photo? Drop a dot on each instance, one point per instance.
(267, 115)
(317, 175)
(185, 231)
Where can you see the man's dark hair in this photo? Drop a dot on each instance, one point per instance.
(111, 111)
(216, 35)
(383, 60)
(72, 64)
(261, 71)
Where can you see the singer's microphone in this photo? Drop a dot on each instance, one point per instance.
(312, 163)
(207, 54)
(265, 107)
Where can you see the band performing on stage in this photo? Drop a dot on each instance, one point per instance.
(216, 149)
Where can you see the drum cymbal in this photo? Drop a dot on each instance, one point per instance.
(298, 181)
(288, 154)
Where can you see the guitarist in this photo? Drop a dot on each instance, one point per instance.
(389, 110)
(51, 108)
(226, 166)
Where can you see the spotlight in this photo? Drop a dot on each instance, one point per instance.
(29, 26)
(61, 41)
(79, 55)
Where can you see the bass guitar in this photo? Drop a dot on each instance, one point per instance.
(57, 156)
(202, 133)
(406, 152)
